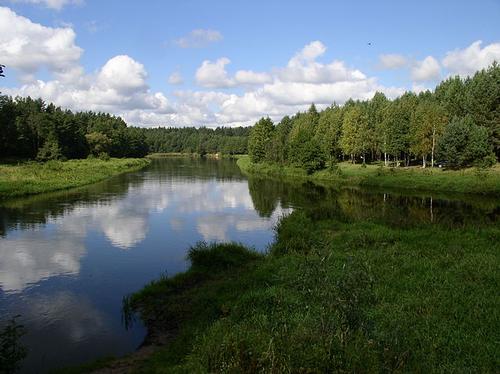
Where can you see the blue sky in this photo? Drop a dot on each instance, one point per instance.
(235, 61)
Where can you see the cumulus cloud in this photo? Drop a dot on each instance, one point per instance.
(53, 4)
(214, 75)
(248, 77)
(392, 61)
(471, 59)
(123, 74)
(426, 70)
(28, 46)
(309, 53)
(303, 68)
(199, 38)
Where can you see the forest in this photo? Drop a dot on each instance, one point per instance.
(32, 129)
(456, 126)
(198, 140)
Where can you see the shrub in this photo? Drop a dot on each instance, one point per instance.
(103, 156)
(294, 234)
(219, 256)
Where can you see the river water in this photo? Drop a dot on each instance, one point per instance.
(67, 259)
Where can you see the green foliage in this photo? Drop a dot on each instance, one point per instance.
(98, 143)
(347, 174)
(464, 143)
(12, 352)
(356, 296)
(32, 129)
(311, 158)
(49, 151)
(217, 257)
(32, 178)
(103, 156)
(293, 234)
(197, 140)
(402, 132)
(355, 132)
(329, 132)
(427, 125)
(259, 141)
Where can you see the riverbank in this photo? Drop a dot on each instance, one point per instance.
(216, 156)
(332, 294)
(29, 178)
(471, 180)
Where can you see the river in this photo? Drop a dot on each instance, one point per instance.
(67, 259)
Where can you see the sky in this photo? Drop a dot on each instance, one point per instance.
(229, 63)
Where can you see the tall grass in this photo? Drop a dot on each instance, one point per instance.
(332, 295)
(30, 178)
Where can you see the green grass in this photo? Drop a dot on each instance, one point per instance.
(30, 178)
(332, 295)
(472, 180)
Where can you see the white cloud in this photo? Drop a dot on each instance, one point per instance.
(392, 61)
(123, 74)
(119, 86)
(175, 78)
(199, 38)
(309, 53)
(214, 75)
(248, 77)
(471, 59)
(52, 4)
(303, 68)
(28, 46)
(426, 70)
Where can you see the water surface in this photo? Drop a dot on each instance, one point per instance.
(67, 259)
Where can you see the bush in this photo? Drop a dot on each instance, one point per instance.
(103, 156)
(53, 165)
(219, 256)
(49, 151)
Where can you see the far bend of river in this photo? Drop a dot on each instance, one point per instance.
(67, 259)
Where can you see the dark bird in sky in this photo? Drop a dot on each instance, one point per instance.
(369, 43)
(1, 70)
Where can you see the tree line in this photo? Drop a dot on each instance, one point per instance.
(457, 125)
(33, 129)
(198, 140)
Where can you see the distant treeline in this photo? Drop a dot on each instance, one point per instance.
(202, 140)
(458, 125)
(32, 129)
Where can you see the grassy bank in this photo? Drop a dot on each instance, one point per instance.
(173, 154)
(472, 180)
(30, 178)
(332, 295)
(192, 155)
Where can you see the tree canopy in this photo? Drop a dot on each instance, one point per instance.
(458, 123)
